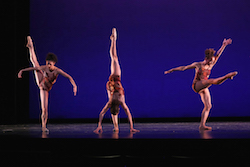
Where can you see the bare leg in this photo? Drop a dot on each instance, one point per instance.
(115, 69)
(33, 59)
(115, 122)
(44, 95)
(200, 85)
(115, 66)
(206, 99)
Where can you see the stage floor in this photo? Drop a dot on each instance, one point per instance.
(189, 130)
(157, 144)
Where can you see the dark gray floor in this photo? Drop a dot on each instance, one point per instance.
(158, 144)
(221, 130)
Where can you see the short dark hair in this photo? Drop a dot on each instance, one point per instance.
(51, 57)
(209, 53)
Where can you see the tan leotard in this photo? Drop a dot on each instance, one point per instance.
(202, 74)
(46, 83)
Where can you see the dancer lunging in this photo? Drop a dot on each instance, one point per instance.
(115, 91)
(201, 83)
(46, 76)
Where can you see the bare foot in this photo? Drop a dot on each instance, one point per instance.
(232, 74)
(29, 42)
(205, 128)
(98, 130)
(134, 130)
(116, 130)
(114, 33)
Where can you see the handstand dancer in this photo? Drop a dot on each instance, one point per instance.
(115, 91)
(201, 83)
(46, 76)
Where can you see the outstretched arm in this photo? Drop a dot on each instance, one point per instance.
(224, 44)
(126, 109)
(101, 115)
(182, 68)
(70, 79)
(29, 69)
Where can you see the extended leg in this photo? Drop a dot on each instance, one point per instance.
(206, 99)
(200, 85)
(115, 66)
(33, 59)
(44, 95)
(220, 80)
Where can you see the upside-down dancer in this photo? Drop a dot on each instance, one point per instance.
(115, 91)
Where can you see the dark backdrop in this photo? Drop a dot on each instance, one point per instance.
(14, 92)
(153, 36)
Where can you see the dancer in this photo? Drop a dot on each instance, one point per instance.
(46, 76)
(115, 91)
(201, 83)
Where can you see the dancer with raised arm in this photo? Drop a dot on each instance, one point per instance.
(46, 76)
(201, 83)
(115, 91)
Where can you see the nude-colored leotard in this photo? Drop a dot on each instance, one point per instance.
(46, 84)
(202, 74)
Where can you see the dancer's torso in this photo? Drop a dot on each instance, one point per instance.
(202, 72)
(49, 78)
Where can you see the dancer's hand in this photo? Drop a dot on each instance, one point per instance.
(75, 90)
(98, 130)
(20, 74)
(227, 41)
(169, 71)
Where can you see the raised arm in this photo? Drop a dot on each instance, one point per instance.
(70, 79)
(101, 115)
(182, 68)
(224, 44)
